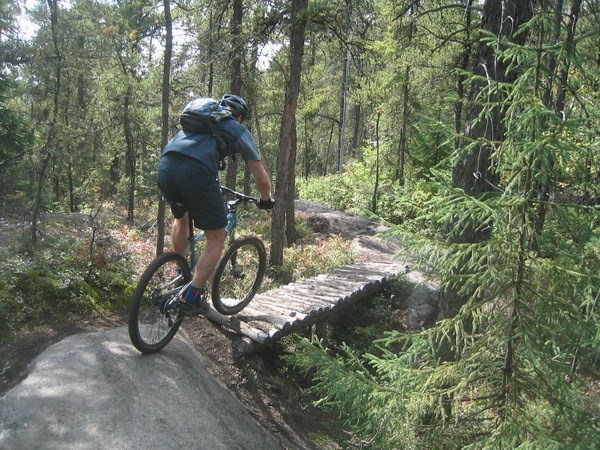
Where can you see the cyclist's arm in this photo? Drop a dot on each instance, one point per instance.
(261, 178)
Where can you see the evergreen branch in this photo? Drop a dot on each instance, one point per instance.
(472, 415)
(12, 159)
(434, 10)
(480, 398)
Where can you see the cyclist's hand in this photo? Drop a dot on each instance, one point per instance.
(266, 204)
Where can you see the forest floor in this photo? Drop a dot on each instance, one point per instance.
(269, 391)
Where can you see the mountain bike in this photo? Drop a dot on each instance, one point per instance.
(154, 306)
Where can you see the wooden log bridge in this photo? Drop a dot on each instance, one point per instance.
(287, 309)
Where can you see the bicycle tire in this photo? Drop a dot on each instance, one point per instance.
(153, 313)
(238, 275)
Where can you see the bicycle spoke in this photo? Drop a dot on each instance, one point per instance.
(238, 275)
(154, 318)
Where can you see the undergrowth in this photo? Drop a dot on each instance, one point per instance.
(62, 277)
(71, 273)
(312, 254)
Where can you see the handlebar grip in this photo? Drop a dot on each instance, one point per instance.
(266, 204)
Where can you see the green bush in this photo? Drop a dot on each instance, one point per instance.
(331, 190)
(55, 279)
(352, 191)
(308, 260)
(362, 324)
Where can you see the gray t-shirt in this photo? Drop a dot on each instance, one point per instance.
(203, 147)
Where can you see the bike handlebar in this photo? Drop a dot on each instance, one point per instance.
(239, 197)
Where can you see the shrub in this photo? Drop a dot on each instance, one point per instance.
(52, 279)
(308, 260)
(352, 191)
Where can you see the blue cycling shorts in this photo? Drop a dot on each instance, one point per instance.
(186, 181)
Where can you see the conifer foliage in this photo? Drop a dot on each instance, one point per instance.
(507, 366)
(472, 126)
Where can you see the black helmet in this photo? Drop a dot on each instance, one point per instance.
(236, 104)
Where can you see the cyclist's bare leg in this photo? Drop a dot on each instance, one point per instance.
(180, 235)
(207, 261)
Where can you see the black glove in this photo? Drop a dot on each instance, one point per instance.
(266, 204)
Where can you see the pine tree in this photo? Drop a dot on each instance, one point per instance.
(524, 337)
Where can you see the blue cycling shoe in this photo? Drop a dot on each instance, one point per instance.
(194, 302)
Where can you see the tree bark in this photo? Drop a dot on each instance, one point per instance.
(307, 147)
(329, 150)
(50, 136)
(559, 104)
(563, 72)
(211, 64)
(551, 58)
(473, 173)
(283, 224)
(130, 155)
(164, 137)
(376, 187)
(460, 81)
(356, 132)
(403, 147)
(343, 112)
(235, 68)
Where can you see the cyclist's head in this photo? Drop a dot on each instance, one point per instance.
(237, 105)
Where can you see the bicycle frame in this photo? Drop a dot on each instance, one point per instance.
(229, 228)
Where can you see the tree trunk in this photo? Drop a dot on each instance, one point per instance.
(356, 132)
(209, 55)
(41, 178)
(460, 81)
(559, 105)
(130, 155)
(237, 47)
(164, 136)
(563, 72)
(376, 187)
(551, 58)
(343, 103)
(473, 173)
(285, 183)
(50, 136)
(71, 182)
(328, 151)
(307, 146)
(235, 70)
(402, 150)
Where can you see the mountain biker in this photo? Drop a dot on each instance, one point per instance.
(188, 178)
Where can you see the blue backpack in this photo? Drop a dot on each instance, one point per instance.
(200, 116)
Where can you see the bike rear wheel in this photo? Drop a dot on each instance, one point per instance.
(238, 275)
(153, 313)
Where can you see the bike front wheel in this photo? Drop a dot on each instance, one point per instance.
(238, 275)
(153, 313)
